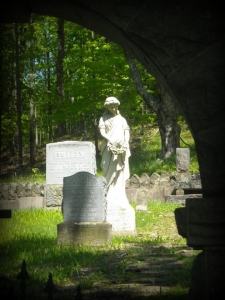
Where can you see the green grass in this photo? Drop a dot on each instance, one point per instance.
(31, 235)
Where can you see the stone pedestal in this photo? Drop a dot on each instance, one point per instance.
(122, 218)
(84, 233)
(202, 223)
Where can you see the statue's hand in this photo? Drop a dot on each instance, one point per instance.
(118, 147)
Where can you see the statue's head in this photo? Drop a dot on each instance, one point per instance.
(111, 100)
(111, 105)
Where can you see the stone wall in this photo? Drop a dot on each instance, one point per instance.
(174, 187)
(21, 195)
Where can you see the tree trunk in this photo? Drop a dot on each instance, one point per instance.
(165, 109)
(50, 136)
(32, 104)
(18, 97)
(167, 121)
(1, 98)
(61, 126)
(36, 128)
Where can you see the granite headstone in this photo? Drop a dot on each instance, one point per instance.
(84, 211)
(84, 198)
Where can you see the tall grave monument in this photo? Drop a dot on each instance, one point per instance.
(115, 152)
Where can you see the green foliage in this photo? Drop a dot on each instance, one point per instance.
(146, 147)
(94, 68)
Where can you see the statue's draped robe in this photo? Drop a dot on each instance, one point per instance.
(115, 167)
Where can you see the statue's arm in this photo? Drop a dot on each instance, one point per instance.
(103, 133)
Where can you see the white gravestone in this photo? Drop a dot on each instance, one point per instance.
(64, 159)
(67, 158)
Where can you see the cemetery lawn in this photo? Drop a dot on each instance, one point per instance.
(154, 264)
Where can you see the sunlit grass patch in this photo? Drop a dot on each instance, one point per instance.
(31, 235)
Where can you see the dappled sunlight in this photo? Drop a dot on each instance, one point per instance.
(156, 256)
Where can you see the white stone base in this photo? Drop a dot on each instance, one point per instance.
(122, 218)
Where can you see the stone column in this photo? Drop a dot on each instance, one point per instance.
(202, 223)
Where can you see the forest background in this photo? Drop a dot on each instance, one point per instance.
(55, 77)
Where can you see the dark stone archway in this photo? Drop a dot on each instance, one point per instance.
(182, 44)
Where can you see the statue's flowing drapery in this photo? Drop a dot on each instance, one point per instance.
(115, 155)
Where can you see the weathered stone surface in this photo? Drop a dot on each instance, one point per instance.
(154, 179)
(30, 189)
(195, 184)
(135, 182)
(12, 191)
(180, 217)
(205, 222)
(131, 194)
(145, 180)
(31, 202)
(142, 202)
(164, 179)
(84, 198)
(84, 233)
(122, 218)
(182, 159)
(4, 192)
(53, 194)
(180, 199)
(179, 192)
(66, 158)
(12, 204)
(156, 193)
(181, 177)
(168, 190)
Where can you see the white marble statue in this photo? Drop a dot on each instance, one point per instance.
(115, 149)
(115, 153)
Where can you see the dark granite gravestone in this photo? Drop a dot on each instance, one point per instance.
(84, 211)
(84, 198)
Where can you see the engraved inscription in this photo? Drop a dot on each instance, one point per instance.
(60, 154)
(68, 166)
